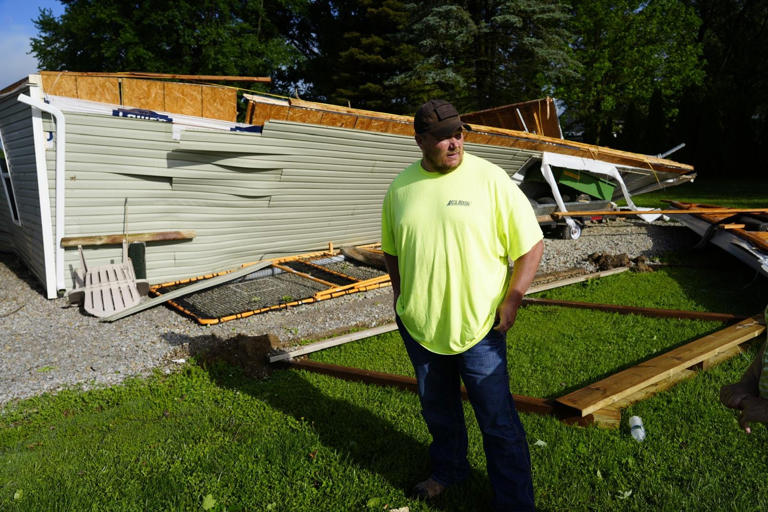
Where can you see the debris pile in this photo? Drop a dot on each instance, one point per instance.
(605, 261)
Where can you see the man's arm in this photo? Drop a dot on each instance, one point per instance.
(394, 275)
(522, 276)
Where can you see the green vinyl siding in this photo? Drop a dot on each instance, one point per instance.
(24, 238)
(293, 188)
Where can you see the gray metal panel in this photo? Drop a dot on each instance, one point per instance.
(25, 240)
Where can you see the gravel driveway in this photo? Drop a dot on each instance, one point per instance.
(47, 345)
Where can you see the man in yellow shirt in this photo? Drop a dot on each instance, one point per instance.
(451, 222)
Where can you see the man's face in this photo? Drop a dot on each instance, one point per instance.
(441, 155)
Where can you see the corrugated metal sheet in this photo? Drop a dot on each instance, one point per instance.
(293, 188)
(18, 144)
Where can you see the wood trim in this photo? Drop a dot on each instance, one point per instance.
(332, 342)
(714, 215)
(141, 74)
(157, 236)
(302, 274)
(572, 280)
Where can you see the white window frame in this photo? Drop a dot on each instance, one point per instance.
(5, 177)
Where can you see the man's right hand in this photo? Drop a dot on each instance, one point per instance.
(753, 410)
(733, 395)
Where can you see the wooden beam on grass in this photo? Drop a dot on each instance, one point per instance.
(578, 279)
(332, 342)
(634, 310)
(608, 391)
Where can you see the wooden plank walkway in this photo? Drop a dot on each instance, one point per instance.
(619, 386)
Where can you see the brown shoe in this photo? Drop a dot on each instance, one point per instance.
(428, 489)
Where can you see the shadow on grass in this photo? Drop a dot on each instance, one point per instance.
(718, 281)
(359, 435)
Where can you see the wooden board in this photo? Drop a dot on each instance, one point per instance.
(536, 288)
(60, 84)
(219, 103)
(144, 94)
(714, 214)
(186, 99)
(211, 101)
(610, 417)
(103, 90)
(539, 116)
(305, 116)
(332, 342)
(158, 236)
(338, 120)
(141, 74)
(612, 389)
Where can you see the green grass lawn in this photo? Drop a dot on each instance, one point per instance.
(209, 438)
(725, 190)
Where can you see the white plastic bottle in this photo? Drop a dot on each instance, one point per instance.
(636, 428)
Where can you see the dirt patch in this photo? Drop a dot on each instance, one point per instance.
(243, 351)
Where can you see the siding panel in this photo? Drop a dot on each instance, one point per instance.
(292, 188)
(25, 240)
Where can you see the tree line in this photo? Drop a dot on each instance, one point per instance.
(640, 75)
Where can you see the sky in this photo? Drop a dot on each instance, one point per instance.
(16, 29)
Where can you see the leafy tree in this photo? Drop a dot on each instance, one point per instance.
(227, 37)
(627, 49)
(351, 49)
(492, 52)
(442, 34)
(725, 119)
(387, 55)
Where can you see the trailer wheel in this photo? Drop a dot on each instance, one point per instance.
(570, 233)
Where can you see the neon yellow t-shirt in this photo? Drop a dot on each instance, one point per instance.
(452, 234)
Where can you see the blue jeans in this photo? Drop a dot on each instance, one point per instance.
(483, 368)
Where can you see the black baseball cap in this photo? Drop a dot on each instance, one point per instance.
(438, 118)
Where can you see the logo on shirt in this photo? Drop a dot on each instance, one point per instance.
(457, 202)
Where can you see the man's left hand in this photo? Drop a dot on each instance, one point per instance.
(507, 313)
